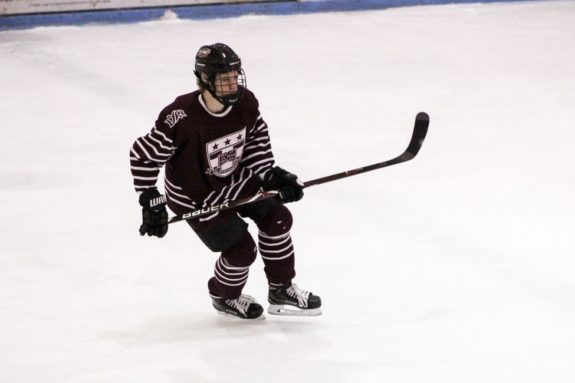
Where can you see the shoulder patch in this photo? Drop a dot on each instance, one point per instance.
(175, 116)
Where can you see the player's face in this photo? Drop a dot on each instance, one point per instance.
(226, 83)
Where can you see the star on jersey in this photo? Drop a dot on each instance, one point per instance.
(225, 153)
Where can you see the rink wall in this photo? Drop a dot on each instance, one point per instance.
(18, 14)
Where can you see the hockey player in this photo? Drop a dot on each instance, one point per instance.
(215, 147)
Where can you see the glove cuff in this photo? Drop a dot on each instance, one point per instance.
(152, 199)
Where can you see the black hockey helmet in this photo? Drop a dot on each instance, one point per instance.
(214, 59)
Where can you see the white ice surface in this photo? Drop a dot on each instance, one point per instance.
(455, 267)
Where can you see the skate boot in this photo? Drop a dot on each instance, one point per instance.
(289, 299)
(244, 307)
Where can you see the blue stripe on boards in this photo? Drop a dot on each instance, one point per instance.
(214, 11)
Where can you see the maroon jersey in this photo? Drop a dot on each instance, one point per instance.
(210, 158)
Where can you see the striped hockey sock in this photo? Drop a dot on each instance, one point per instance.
(278, 255)
(228, 280)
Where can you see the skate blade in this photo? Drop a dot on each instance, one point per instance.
(230, 315)
(293, 311)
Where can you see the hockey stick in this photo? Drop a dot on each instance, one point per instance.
(417, 138)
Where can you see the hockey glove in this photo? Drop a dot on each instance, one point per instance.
(288, 185)
(154, 213)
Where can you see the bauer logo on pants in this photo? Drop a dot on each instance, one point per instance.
(225, 153)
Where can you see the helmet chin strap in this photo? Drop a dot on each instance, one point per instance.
(226, 101)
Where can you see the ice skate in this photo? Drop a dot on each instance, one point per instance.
(293, 301)
(244, 307)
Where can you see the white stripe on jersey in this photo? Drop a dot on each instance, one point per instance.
(172, 184)
(148, 156)
(151, 137)
(265, 171)
(256, 154)
(178, 202)
(260, 128)
(168, 187)
(240, 189)
(252, 145)
(238, 183)
(260, 162)
(156, 131)
(161, 153)
(205, 204)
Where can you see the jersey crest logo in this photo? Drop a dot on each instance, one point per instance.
(225, 153)
(173, 118)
